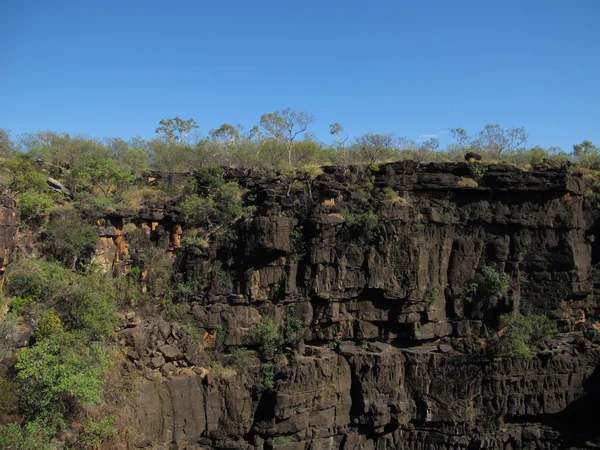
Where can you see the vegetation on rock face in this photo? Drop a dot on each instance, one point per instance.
(70, 305)
(521, 336)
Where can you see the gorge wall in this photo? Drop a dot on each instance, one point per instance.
(379, 264)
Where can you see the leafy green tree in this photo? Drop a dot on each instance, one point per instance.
(20, 174)
(285, 126)
(585, 148)
(68, 238)
(59, 373)
(225, 137)
(176, 129)
(6, 144)
(96, 171)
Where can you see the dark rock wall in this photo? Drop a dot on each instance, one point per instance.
(407, 373)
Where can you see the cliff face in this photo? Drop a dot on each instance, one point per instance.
(380, 265)
(405, 366)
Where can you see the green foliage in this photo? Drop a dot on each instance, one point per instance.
(96, 172)
(224, 278)
(83, 300)
(522, 335)
(488, 284)
(68, 238)
(50, 325)
(90, 305)
(268, 376)
(209, 178)
(32, 204)
(34, 435)
(298, 244)
(228, 197)
(241, 358)
(364, 225)
(477, 170)
(36, 280)
(267, 337)
(485, 210)
(216, 209)
(295, 330)
(93, 207)
(95, 432)
(197, 211)
(60, 372)
(20, 174)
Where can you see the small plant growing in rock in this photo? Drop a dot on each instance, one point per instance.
(268, 376)
(520, 336)
(485, 211)
(241, 357)
(477, 170)
(488, 284)
(295, 330)
(267, 337)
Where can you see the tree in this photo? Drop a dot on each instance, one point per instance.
(285, 126)
(6, 145)
(586, 148)
(374, 147)
(225, 136)
(494, 140)
(176, 130)
(336, 129)
(462, 138)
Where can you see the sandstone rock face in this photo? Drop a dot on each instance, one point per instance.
(393, 298)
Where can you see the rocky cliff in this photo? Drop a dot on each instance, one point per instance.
(383, 267)
(380, 264)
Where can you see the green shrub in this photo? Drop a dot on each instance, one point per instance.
(228, 201)
(241, 357)
(35, 435)
(90, 305)
(50, 325)
(478, 170)
(295, 330)
(209, 178)
(197, 211)
(489, 284)
(93, 207)
(522, 335)
(68, 238)
(268, 376)
(32, 204)
(267, 337)
(36, 280)
(60, 372)
(95, 432)
(224, 278)
(363, 225)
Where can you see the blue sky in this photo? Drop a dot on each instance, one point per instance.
(413, 68)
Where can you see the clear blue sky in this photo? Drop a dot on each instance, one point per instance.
(115, 68)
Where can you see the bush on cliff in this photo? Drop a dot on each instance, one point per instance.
(68, 239)
(60, 373)
(521, 336)
(267, 337)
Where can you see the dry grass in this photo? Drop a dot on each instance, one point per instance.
(467, 182)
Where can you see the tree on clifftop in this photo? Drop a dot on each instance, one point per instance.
(176, 129)
(285, 126)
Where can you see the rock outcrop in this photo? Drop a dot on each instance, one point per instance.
(380, 265)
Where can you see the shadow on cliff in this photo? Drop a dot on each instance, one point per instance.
(578, 422)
